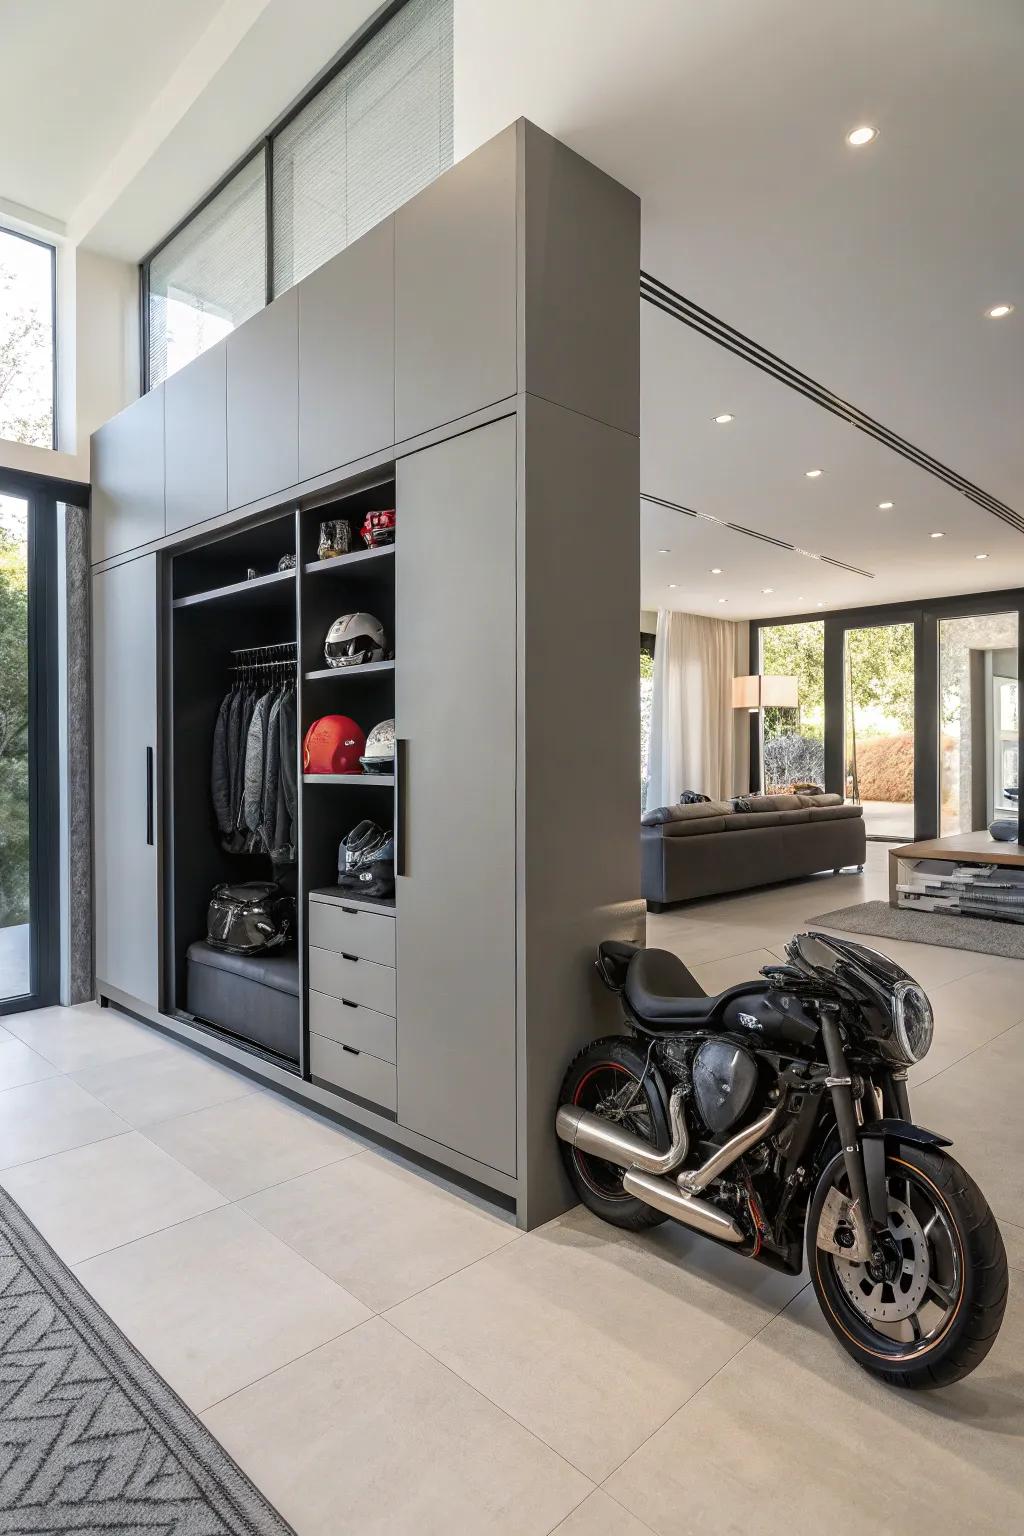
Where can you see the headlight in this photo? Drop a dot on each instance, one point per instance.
(912, 1019)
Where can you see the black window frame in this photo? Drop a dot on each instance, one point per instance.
(264, 146)
(46, 245)
(43, 495)
(926, 615)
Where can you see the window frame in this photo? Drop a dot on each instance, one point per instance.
(264, 146)
(46, 245)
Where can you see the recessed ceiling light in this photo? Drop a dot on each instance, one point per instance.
(801, 598)
(865, 134)
(812, 474)
(716, 570)
(819, 605)
(724, 419)
(936, 535)
(766, 590)
(981, 557)
(998, 311)
(672, 585)
(885, 506)
(723, 599)
(664, 551)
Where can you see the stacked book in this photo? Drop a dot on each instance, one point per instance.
(970, 890)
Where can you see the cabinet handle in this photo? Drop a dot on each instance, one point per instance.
(346, 1004)
(401, 831)
(353, 958)
(351, 911)
(149, 796)
(351, 1051)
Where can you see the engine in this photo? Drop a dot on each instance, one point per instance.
(720, 1076)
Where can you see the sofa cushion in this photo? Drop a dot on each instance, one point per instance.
(787, 818)
(812, 800)
(754, 803)
(744, 821)
(838, 812)
(697, 826)
(693, 812)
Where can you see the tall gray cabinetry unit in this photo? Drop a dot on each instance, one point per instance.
(472, 362)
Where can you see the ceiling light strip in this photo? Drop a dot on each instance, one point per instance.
(753, 533)
(662, 297)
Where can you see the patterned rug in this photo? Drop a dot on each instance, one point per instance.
(92, 1441)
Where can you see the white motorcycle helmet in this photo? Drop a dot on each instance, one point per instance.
(354, 639)
(379, 753)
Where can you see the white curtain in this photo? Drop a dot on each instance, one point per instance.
(691, 712)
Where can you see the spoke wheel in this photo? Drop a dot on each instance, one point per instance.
(908, 1293)
(611, 1091)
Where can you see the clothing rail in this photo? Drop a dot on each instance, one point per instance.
(251, 650)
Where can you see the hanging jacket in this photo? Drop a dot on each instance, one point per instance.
(271, 775)
(252, 807)
(286, 828)
(230, 839)
(238, 781)
(220, 776)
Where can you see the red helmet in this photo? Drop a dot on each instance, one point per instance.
(378, 529)
(333, 744)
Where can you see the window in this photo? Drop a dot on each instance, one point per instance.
(27, 374)
(646, 699)
(793, 745)
(376, 131)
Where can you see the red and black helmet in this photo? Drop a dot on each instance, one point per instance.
(378, 528)
(333, 744)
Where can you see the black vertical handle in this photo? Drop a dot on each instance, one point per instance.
(401, 835)
(149, 796)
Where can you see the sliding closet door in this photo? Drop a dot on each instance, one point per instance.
(125, 709)
(455, 698)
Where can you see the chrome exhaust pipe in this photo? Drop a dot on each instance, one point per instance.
(692, 1180)
(602, 1138)
(669, 1198)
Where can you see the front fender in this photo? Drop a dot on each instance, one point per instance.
(879, 1138)
(902, 1131)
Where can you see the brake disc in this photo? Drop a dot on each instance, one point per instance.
(891, 1297)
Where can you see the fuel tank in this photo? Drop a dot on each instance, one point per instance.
(771, 1018)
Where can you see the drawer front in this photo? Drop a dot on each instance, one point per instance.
(348, 931)
(356, 1071)
(357, 981)
(348, 1024)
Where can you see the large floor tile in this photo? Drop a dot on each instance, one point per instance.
(715, 975)
(19, 1064)
(989, 995)
(247, 1144)
(591, 1337)
(162, 1084)
(50, 1116)
(379, 1229)
(963, 1022)
(600, 1515)
(369, 1436)
(217, 1302)
(107, 1193)
(1013, 1239)
(977, 1102)
(83, 1036)
(792, 1436)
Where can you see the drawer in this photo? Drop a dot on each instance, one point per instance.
(357, 981)
(347, 931)
(356, 1071)
(348, 1024)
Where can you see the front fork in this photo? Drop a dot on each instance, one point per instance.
(864, 1157)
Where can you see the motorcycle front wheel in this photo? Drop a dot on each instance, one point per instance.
(610, 1078)
(928, 1313)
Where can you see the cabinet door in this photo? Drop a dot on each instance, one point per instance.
(127, 473)
(455, 291)
(196, 437)
(455, 698)
(263, 402)
(125, 742)
(347, 354)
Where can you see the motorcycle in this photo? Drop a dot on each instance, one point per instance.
(775, 1116)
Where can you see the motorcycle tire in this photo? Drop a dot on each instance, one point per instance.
(600, 1074)
(946, 1246)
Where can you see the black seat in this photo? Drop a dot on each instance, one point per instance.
(666, 997)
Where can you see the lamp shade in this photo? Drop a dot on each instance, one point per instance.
(762, 690)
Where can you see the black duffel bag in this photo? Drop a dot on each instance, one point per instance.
(250, 918)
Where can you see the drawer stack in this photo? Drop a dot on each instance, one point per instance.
(352, 997)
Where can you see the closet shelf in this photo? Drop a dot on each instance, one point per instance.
(348, 778)
(236, 591)
(367, 669)
(338, 562)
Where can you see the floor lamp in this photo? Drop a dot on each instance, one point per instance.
(756, 693)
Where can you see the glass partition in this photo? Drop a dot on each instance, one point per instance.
(978, 768)
(878, 714)
(793, 740)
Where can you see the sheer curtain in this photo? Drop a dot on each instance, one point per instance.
(691, 711)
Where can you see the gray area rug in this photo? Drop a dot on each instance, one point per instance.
(881, 921)
(92, 1441)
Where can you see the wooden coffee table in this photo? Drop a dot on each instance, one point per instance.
(963, 848)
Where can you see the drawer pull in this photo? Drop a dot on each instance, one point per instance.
(352, 911)
(353, 958)
(350, 1050)
(346, 1004)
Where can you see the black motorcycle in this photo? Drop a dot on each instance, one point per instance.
(780, 1108)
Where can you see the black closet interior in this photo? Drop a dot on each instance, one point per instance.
(250, 612)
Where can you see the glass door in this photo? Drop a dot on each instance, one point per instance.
(878, 724)
(977, 720)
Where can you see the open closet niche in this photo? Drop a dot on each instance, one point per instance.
(234, 655)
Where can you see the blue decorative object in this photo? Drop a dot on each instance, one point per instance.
(1003, 830)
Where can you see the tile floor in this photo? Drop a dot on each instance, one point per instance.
(386, 1356)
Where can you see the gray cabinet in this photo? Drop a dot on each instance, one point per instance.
(125, 768)
(196, 439)
(456, 710)
(127, 472)
(347, 354)
(455, 291)
(263, 402)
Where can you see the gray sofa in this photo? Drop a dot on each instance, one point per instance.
(688, 851)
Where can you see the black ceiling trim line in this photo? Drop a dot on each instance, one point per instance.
(753, 533)
(662, 297)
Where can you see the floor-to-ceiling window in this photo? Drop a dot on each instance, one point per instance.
(793, 740)
(978, 720)
(878, 724)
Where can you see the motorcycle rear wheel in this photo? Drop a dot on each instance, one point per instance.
(933, 1316)
(609, 1079)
